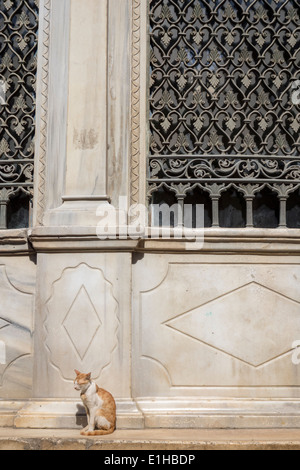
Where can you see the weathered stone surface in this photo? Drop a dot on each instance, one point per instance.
(156, 439)
(220, 322)
(17, 286)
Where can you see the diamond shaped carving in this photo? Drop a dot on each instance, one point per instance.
(16, 307)
(3, 323)
(253, 324)
(82, 322)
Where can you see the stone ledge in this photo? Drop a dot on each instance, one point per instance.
(54, 414)
(216, 240)
(152, 439)
(147, 414)
(15, 242)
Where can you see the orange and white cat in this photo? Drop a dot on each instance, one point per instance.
(99, 404)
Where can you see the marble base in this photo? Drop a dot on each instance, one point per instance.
(159, 413)
(183, 340)
(220, 414)
(61, 414)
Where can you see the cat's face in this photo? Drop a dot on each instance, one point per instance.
(82, 381)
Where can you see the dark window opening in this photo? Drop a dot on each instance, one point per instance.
(293, 210)
(266, 209)
(232, 209)
(18, 211)
(201, 198)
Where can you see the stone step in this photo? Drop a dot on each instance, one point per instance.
(152, 440)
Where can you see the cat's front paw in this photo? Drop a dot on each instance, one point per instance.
(86, 431)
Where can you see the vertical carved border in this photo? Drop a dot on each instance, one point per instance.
(41, 149)
(135, 102)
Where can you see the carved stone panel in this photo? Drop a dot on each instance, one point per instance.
(212, 325)
(82, 309)
(82, 317)
(16, 327)
(228, 326)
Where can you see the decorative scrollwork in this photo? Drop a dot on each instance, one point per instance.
(221, 77)
(18, 66)
(206, 168)
(221, 80)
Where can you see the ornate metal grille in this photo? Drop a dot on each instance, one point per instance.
(222, 113)
(18, 66)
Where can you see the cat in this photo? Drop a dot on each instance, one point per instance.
(99, 404)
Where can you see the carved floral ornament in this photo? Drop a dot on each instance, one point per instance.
(221, 108)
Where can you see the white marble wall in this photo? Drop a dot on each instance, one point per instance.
(216, 325)
(87, 100)
(83, 322)
(88, 82)
(17, 287)
(180, 337)
(213, 340)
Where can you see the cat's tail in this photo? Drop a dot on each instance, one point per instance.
(98, 432)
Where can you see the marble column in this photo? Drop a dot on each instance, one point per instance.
(85, 147)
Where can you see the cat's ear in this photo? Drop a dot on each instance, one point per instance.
(77, 372)
(88, 376)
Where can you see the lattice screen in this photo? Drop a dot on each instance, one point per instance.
(18, 66)
(221, 109)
